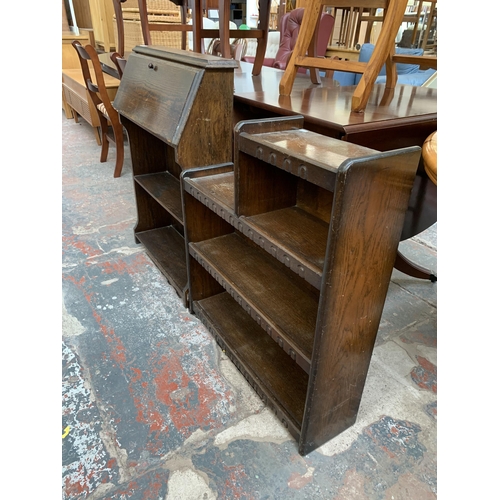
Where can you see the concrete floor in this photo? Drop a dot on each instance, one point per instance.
(152, 409)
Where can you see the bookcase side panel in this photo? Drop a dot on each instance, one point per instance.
(367, 218)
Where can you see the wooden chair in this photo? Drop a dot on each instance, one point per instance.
(147, 25)
(384, 49)
(225, 33)
(99, 95)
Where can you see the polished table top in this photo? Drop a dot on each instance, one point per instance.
(318, 101)
(331, 104)
(327, 105)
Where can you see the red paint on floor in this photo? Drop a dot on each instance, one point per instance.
(187, 409)
(86, 249)
(122, 267)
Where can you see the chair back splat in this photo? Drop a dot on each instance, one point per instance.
(120, 63)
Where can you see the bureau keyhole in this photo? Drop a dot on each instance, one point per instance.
(152, 66)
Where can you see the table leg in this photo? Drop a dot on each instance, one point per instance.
(408, 267)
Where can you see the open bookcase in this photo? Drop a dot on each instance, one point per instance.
(290, 258)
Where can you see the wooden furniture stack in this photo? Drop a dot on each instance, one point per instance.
(384, 49)
(177, 109)
(287, 253)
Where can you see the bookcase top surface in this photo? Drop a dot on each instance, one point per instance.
(311, 147)
(206, 61)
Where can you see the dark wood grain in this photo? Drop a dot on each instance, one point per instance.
(281, 380)
(201, 223)
(264, 287)
(298, 233)
(149, 154)
(295, 235)
(367, 218)
(218, 187)
(154, 89)
(150, 214)
(260, 188)
(165, 189)
(179, 96)
(315, 200)
(166, 248)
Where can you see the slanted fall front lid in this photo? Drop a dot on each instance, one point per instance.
(160, 86)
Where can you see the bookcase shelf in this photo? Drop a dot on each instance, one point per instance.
(165, 246)
(164, 188)
(291, 276)
(276, 378)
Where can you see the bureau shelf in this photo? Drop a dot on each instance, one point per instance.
(166, 248)
(165, 101)
(165, 189)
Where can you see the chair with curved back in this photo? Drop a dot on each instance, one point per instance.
(94, 81)
(117, 5)
(148, 25)
(289, 29)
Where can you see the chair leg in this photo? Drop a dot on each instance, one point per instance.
(264, 14)
(120, 153)
(104, 138)
(309, 23)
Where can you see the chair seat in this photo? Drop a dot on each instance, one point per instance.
(102, 109)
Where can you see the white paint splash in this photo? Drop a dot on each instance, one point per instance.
(260, 427)
(187, 484)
